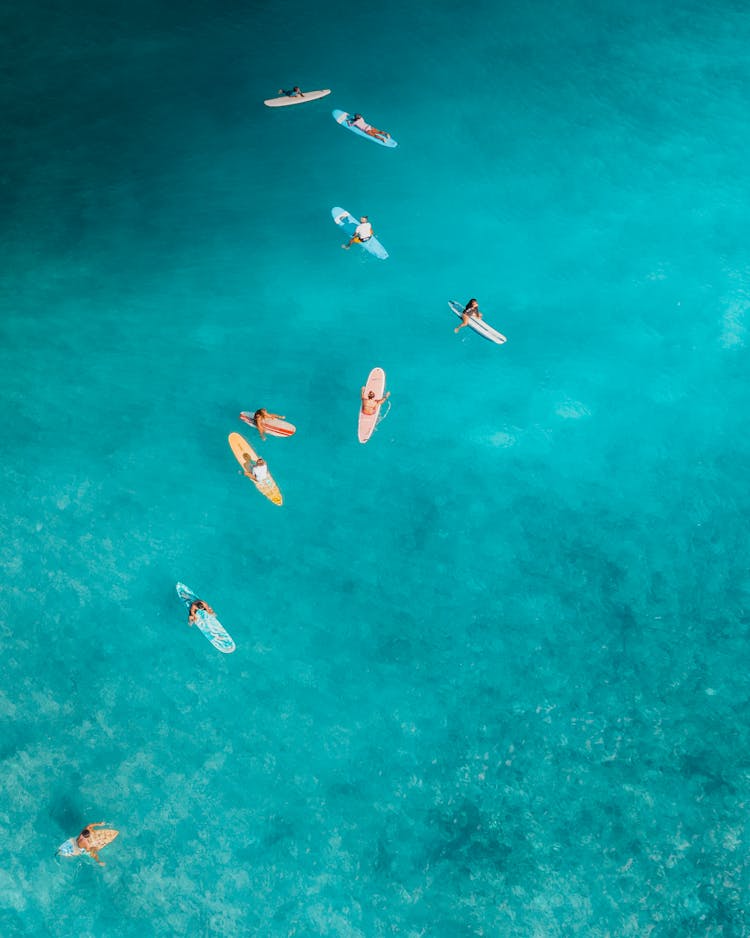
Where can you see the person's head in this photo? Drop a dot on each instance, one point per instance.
(363, 219)
(371, 394)
(260, 412)
(296, 88)
(473, 302)
(357, 117)
(261, 461)
(85, 833)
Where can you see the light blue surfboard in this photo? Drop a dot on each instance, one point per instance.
(207, 623)
(348, 222)
(341, 117)
(478, 325)
(69, 848)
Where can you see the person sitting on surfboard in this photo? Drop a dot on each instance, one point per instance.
(363, 232)
(370, 403)
(194, 609)
(260, 416)
(471, 309)
(296, 92)
(83, 841)
(260, 470)
(356, 120)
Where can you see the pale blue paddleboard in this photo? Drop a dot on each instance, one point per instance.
(69, 848)
(207, 623)
(341, 117)
(348, 222)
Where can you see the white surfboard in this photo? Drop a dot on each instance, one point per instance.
(367, 422)
(478, 325)
(285, 100)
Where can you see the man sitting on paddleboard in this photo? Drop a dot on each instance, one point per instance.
(260, 417)
(194, 609)
(363, 232)
(260, 470)
(370, 403)
(471, 309)
(361, 124)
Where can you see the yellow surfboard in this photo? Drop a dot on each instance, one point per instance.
(247, 458)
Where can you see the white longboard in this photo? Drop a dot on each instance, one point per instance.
(479, 325)
(367, 422)
(285, 100)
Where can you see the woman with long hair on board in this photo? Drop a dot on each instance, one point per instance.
(471, 309)
(260, 416)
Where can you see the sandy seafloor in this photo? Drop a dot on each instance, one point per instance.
(492, 668)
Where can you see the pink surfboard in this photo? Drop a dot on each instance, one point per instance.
(368, 422)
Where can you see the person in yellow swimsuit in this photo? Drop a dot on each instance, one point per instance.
(363, 232)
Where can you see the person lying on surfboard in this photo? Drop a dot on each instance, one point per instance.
(370, 403)
(260, 417)
(471, 309)
(363, 232)
(83, 841)
(194, 609)
(356, 120)
(296, 92)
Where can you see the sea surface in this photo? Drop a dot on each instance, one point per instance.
(492, 673)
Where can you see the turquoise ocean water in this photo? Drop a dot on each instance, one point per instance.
(492, 668)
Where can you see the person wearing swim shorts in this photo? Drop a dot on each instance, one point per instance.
(370, 403)
(259, 471)
(356, 120)
(83, 842)
(362, 233)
